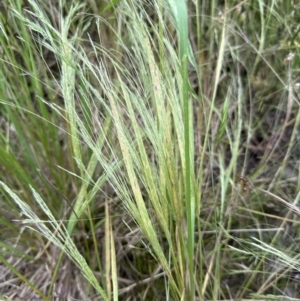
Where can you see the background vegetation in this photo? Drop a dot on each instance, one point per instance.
(149, 150)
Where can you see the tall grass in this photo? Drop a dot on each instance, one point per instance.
(123, 143)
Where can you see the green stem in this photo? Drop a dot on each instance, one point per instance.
(189, 201)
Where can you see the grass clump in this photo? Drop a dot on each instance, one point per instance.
(151, 149)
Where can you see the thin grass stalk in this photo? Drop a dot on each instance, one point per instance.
(114, 274)
(68, 89)
(23, 278)
(179, 10)
(107, 250)
(262, 34)
(224, 179)
(190, 206)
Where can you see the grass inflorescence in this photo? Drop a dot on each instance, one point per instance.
(149, 150)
